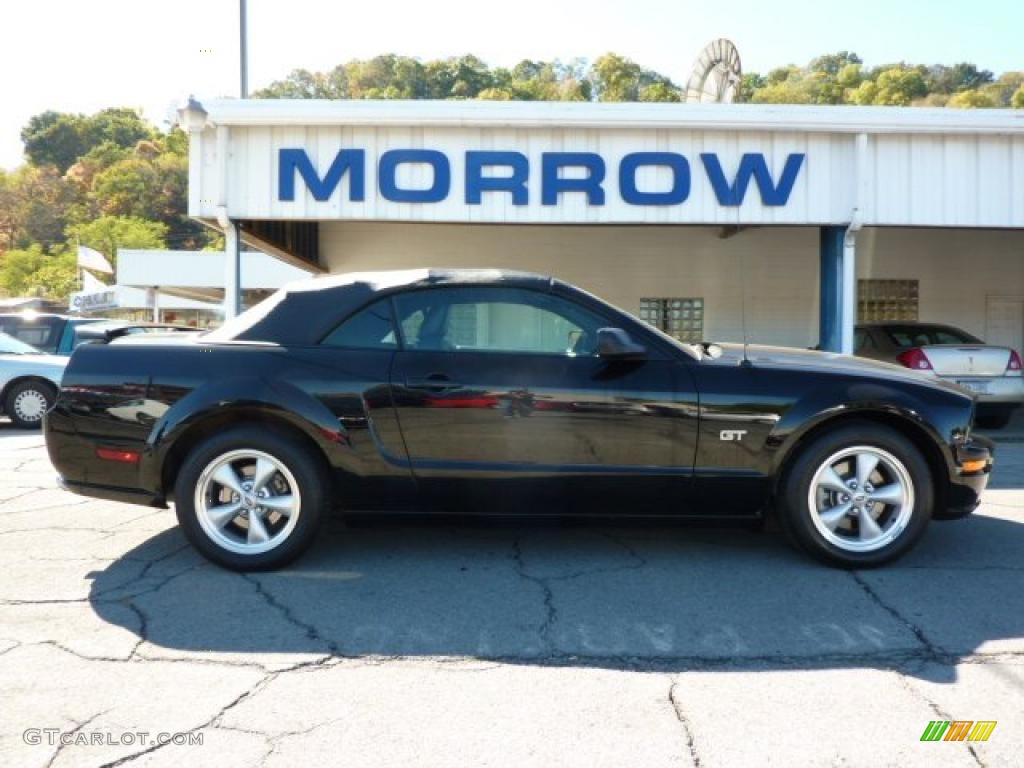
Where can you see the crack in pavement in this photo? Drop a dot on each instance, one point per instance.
(272, 741)
(917, 631)
(551, 613)
(684, 721)
(903, 675)
(214, 721)
(312, 633)
(72, 733)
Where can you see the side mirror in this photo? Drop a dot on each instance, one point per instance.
(615, 344)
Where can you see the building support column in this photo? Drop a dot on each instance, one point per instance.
(232, 270)
(153, 302)
(830, 310)
(848, 305)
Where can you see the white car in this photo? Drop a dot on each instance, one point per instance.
(990, 372)
(29, 380)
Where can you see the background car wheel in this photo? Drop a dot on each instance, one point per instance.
(993, 416)
(26, 403)
(858, 496)
(251, 498)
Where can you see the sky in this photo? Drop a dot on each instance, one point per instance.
(77, 56)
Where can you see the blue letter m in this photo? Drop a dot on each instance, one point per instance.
(292, 160)
(752, 165)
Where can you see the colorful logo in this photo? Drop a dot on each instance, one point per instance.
(958, 730)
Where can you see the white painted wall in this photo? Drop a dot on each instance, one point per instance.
(778, 265)
(957, 269)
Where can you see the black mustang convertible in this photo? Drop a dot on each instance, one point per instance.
(500, 393)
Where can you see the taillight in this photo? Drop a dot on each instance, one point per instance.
(915, 358)
(1013, 367)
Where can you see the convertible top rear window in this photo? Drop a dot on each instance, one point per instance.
(369, 328)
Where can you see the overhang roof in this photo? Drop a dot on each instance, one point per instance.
(534, 114)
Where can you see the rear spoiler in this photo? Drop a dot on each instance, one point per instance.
(89, 333)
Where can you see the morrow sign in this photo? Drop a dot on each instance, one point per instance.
(489, 172)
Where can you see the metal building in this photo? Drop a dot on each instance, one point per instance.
(694, 216)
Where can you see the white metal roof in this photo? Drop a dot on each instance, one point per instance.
(532, 114)
(200, 270)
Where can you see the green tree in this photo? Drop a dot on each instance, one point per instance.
(833, 63)
(34, 205)
(896, 86)
(107, 234)
(33, 272)
(616, 78)
(1017, 102)
(959, 77)
(60, 139)
(970, 100)
(52, 138)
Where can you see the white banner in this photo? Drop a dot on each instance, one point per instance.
(91, 259)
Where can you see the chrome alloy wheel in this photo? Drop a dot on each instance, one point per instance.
(861, 498)
(30, 405)
(247, 501)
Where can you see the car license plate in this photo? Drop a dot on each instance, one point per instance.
(975, 386)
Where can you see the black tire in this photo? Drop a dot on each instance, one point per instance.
(993, 416)
(798, 519)
(308, 471)
(35, 391)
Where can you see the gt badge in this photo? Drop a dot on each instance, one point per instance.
(730, 435)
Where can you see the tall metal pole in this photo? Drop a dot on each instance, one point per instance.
(232, 235)
(243, 47)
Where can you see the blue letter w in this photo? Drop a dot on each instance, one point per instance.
(752, 165)
(292, 160)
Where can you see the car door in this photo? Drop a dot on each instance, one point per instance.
(348, 372)
(505, 406)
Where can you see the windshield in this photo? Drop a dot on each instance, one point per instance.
(11, 346)
(926, 335)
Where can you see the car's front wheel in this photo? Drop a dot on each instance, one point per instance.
(28, 401)
(251, 499)
(858, 496)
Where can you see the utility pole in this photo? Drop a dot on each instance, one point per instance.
(232, 234)
(243, 47)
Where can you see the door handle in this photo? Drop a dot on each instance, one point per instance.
(435, 382)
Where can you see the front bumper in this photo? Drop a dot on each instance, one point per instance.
(967, 483)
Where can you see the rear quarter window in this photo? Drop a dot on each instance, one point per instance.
(369, 328)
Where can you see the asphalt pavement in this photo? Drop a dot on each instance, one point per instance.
(434, 644)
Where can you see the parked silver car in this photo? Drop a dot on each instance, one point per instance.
(991, 372)
(29, 380)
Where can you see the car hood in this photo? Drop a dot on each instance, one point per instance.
(825, 362)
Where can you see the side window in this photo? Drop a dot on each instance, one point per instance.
(489, 319)
(40, 334)
(369, 328)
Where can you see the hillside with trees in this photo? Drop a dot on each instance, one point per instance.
(111, 180)
(840, 78)
(108, 181)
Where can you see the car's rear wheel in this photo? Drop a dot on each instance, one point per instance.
(993, 416)
(251, 499)
(858, 496)
(28, 401)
